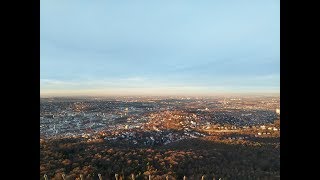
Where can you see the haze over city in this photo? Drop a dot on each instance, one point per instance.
(174, 90)
(159, 48)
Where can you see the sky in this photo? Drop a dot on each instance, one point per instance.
(186, 47)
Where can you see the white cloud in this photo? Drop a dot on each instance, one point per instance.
(53, 82)
(133, 79)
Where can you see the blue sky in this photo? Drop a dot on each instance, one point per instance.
(106, 47)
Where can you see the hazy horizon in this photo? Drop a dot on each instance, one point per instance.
(150, 94)
(160, 48)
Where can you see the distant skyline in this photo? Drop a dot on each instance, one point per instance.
(179, 47)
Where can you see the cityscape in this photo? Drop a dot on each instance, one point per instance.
(155, 124)
(160, 90)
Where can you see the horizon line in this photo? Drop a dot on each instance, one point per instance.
(57, 95)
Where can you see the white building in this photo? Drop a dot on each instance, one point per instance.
(263, 127)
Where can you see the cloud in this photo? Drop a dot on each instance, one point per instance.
(134, 79)
(92, 83)
(54, 82)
